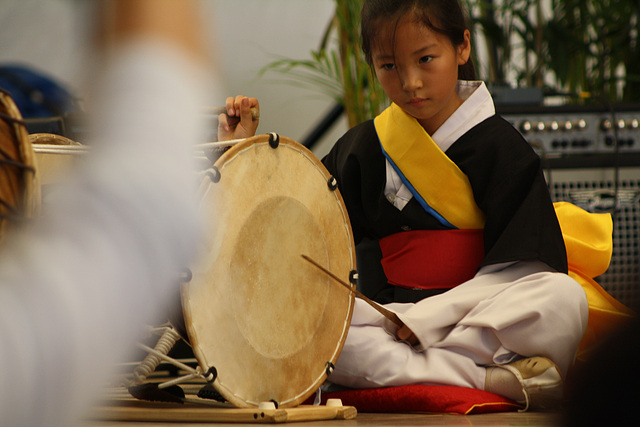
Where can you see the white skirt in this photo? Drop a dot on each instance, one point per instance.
(506, 311)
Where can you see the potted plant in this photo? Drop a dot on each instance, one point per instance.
(338, 68)
(581, 49)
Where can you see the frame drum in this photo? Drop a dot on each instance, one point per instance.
(265, 322)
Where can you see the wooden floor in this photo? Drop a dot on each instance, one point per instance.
(530, 419)
(121, 410)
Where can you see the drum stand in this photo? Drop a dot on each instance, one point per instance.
(151, 398)
(164, 391)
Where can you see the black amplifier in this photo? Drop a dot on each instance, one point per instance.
(592, 159)
(570, 136)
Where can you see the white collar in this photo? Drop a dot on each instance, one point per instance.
(477, 106)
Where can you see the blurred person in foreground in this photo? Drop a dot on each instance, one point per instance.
(78, 283)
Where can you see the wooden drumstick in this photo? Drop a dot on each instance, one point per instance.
(386, 313)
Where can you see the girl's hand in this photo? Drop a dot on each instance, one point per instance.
(238, 123)
(405, 334)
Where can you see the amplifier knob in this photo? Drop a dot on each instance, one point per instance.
(526, 126)
(633, 124)
(606, 124)
(581, 124)
(540, 126)
(554, 126)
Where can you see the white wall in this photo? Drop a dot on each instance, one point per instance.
(253, 33)
(247, 35)
(45, 34)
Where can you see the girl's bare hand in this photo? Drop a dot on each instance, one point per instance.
(405, 334)
(238, 122)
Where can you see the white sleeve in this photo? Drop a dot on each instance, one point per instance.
(77, 285)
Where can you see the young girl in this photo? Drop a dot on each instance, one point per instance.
(455, 228)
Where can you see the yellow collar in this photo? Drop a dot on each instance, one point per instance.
(433, 179)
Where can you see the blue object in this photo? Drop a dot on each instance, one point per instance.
(35, 94)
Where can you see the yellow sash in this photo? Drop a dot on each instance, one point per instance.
(588, 239)
(436, 182)
(440, 186)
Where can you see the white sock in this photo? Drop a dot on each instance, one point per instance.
(504, 383)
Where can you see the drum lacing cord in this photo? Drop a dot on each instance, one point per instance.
(6, 158)
(152, 360)
(11, 119)
(12, 162)
(13, 214)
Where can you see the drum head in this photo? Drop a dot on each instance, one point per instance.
(269, 322)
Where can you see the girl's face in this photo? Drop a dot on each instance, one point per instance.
(418, 70)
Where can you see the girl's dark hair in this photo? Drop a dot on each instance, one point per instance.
(444, 16)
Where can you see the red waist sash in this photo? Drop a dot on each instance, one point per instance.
(432, 259)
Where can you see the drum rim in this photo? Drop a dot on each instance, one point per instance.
(227, 156)
(52, 139)
(31, 193)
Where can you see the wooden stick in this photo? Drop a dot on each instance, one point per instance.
(153, 412)
(386, 313)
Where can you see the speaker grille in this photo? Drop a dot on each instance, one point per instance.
(595, 191)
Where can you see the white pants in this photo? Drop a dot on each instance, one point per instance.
(521, 309)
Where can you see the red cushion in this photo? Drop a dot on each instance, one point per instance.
(423, 398)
